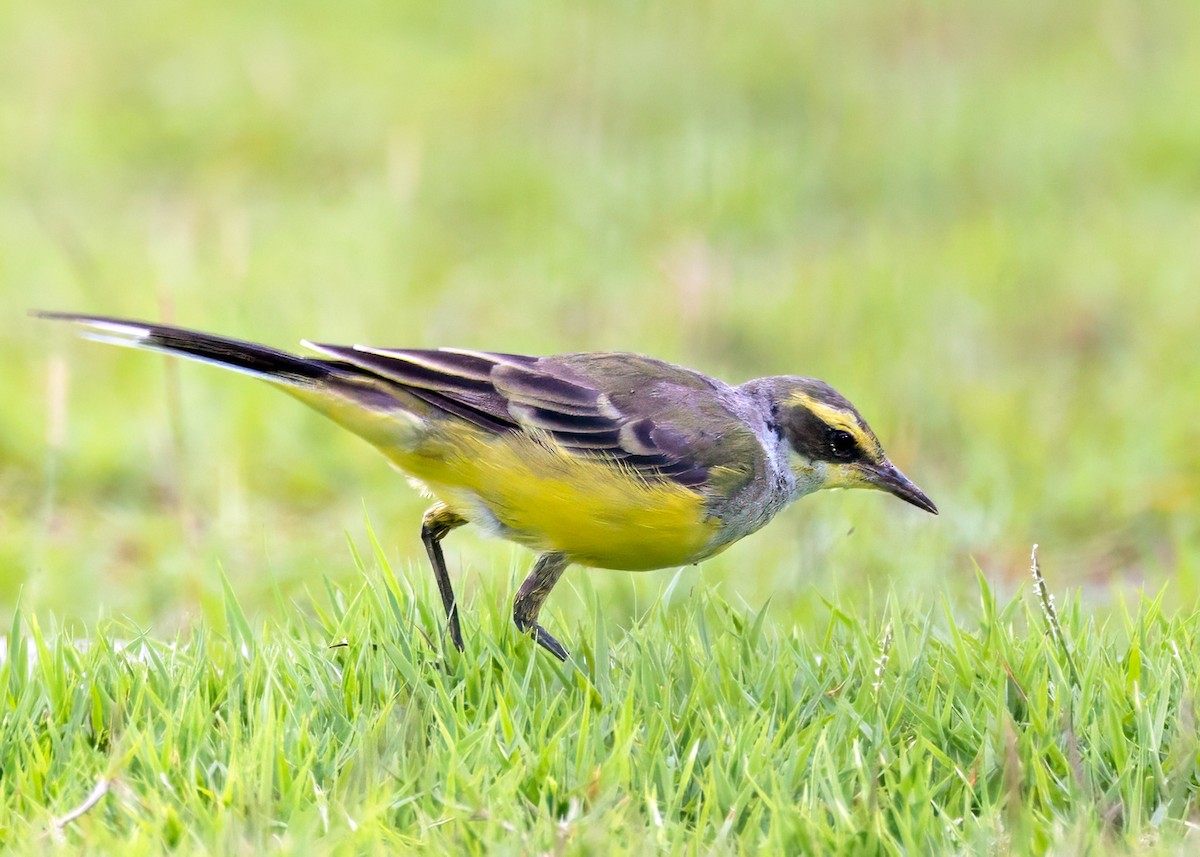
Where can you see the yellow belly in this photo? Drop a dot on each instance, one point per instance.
(551, 500)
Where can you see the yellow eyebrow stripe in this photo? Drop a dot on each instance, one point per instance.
(839, 419)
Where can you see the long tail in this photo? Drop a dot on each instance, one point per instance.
(246, 357)
(372, 407)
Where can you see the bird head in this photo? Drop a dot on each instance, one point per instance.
(830, 445)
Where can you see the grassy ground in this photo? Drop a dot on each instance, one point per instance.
(701, 728)
(977, 220)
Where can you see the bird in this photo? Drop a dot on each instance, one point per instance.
(600, 459)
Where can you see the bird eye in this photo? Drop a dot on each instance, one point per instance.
(841, 443)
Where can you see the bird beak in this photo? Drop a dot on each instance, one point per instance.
(887, 478)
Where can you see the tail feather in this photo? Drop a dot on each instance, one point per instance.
(247, 357)
(383, 413)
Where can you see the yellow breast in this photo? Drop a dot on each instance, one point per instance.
(542, 496)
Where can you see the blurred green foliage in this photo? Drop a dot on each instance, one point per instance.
(979, 221)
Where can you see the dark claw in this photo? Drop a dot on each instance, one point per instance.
(548, 643)
(455, 630)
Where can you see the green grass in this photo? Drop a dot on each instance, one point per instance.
(977, 220)
(701, 728)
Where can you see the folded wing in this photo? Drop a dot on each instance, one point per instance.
(545, 396)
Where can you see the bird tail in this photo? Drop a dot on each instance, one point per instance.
(248, 358)
(382, 412)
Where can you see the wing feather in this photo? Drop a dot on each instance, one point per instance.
(543, 396)
(536, 386)
(558, 421)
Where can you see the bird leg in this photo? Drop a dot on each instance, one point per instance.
(532, 594)
(439, 519)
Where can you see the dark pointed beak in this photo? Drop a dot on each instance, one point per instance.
(887, 478)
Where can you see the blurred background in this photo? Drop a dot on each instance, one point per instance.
(979, 221)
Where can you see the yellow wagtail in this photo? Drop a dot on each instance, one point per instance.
(603, 459)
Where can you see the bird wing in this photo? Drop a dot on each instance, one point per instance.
(661, 421)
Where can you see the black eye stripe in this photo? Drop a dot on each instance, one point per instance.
(844, 440)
